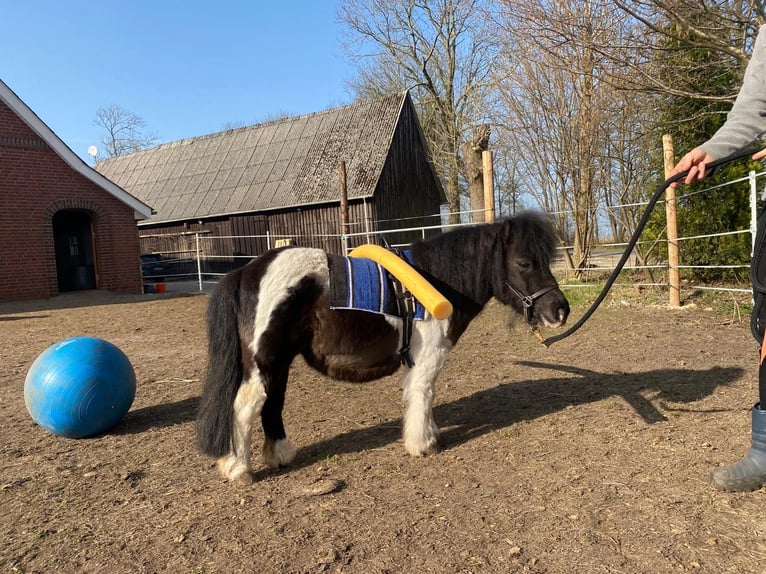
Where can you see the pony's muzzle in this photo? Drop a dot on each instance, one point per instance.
(554, 313)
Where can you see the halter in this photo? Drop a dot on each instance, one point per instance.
(528, 301)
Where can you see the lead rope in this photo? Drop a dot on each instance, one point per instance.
(709, 169)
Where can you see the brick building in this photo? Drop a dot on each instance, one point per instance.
(63, 226)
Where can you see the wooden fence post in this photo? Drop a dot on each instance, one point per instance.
(344, 226)
(674, 276)
(487, 168)
(473, 158)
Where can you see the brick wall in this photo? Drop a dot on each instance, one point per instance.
(35, 183)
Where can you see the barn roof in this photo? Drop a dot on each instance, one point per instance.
(279, 164)
(9, 97)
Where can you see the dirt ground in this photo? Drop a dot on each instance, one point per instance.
(590, 456)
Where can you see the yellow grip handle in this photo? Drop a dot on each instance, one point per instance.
(421, 289)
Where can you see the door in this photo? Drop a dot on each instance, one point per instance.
(73, 241)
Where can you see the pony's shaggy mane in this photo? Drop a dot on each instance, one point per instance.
(535, 236)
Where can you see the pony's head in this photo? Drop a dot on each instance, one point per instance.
(523, 277)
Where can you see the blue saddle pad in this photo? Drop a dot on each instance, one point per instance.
(363, 285)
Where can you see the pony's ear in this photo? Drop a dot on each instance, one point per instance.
(506, 231)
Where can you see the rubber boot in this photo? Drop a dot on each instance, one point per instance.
(749, 473)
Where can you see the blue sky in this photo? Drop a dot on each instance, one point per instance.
(188, 68)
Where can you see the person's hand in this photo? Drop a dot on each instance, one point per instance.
(694, 162)
(760, 154)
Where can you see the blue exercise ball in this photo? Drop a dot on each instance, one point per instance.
(80, 387)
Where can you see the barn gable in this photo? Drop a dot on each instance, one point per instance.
(63, 226)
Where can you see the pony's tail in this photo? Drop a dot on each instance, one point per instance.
(224, 369)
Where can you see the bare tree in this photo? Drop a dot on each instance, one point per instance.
(560, 110)
(124, 131)
(536, 127)
(508, 190)
(724, 31)
(439, 50)
(625, 168)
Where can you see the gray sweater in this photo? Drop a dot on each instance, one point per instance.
(747, 118)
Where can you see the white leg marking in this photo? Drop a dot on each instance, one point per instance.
(279, 453)
(247, 406)
(285, 271)
(429, 349)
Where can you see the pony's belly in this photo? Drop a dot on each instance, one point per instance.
(354, 345)
(356, 369)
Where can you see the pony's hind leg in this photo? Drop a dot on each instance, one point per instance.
(420, 431)
(248, 403)
(277, 450)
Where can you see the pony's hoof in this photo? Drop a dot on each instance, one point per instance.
(429, 448)
(279, 453)
(234, 471)
(244, 479)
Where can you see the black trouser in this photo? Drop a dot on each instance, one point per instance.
(758, 318)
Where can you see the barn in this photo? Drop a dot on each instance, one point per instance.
(281, 181)
(63, 225)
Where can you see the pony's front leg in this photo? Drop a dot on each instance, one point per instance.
(420, 431)
(251, 396)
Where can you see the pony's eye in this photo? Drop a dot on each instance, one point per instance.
(523, 263)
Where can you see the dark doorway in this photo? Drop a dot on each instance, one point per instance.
(73, 241)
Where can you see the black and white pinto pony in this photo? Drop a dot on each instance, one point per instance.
(264, 314)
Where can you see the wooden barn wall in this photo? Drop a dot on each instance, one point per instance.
(228, 240)
(408, 194)
(178, 242)
(317, 226)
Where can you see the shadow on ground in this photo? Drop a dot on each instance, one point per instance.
(492, 409)
(506, 404)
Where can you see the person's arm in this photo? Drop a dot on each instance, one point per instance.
(744, 123)
(747, 118)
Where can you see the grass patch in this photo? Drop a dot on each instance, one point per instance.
(732, 305)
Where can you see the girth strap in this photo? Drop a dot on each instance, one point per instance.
(406, 304)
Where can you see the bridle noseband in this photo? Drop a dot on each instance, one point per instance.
(528, 301)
